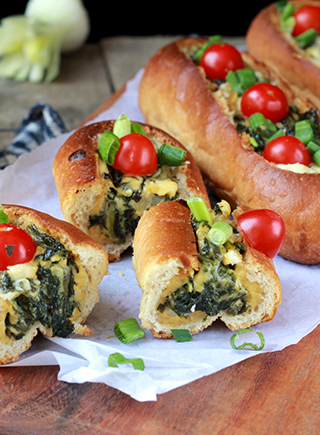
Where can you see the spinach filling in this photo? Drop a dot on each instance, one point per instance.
(49, 298)
(219, 290)
(120, 214)
(261, 135)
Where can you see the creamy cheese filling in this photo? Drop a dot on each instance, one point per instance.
(116, 215)
(220, 284)
(43, 290)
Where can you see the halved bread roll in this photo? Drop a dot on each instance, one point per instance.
(53, 293)
(107, 203)
(188, 282)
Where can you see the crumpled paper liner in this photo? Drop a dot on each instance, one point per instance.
(168, 364)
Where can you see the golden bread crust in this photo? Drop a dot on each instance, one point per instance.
(267, 43)
(165, 248)
(88, 255)
(80, 185)
(174, 96)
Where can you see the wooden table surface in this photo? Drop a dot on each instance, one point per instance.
(274, 393)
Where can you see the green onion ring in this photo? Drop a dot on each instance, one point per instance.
(252, 345)
(117, 358)
(108, 147)
(220, 232)
(181, 335)
(128, 330)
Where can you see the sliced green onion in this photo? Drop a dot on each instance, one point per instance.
(122, 126)
(137, 128)
(252, 345)
(258, 120)
(306, 38)
(277, 134)
(304, 131)
(4, 218)
(219, 233)
(287, 21)
(281, 4)
(313, 147)
(241, 79)
(316, 158)
(253, 142)
(108, 147)
(117, 358)
(128, 330)
(181, 335)
(170, 155)
(199, 209)
(215, 39)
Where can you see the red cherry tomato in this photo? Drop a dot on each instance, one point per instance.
(306, 17)
(219, 59)
(16, 246)
(286, 150)
(136, 155)
(266, 99)
(263, 229)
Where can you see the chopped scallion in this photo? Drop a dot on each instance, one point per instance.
(181, 335)
(215, 39)
(312, 147)
(220, 232)
(4, 218)
(117, 358)
(137, 128)
(316, 158)
(306, 38)
(276, 134)
(170, 155)
(128, 330)
(122, 126)
(108, 146)
(252, 345)
(241, 79)
(258, 120)
(199, 209)
(304, 131)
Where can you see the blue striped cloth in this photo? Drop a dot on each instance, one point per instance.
(41, 123)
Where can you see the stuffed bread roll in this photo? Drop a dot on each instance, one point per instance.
(49, 279)
(285, 36)
(106, 198)
(188, 281)
(220, 121)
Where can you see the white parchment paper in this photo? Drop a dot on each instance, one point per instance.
(168, 364)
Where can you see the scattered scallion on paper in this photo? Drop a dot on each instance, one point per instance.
(245, 344)
(117, 358)
(181, 335)
(128, 330)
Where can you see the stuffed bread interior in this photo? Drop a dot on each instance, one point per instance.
(109, 206)
(56, 290)
(188, 281)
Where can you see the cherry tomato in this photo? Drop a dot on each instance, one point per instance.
(306, 17)
(16, 246)
(263, 229)
(286, 150)
(266, 99)
(219, 59)
(136, 155)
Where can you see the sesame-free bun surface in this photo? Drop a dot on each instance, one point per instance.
(88, 255)
(267, 43)
(165, 249)
(174, 95)
(81, 186)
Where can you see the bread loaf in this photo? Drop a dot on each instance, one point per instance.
(268, 43)
(55, 292)
(107, 203)
(175, 96)
(183, 288)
